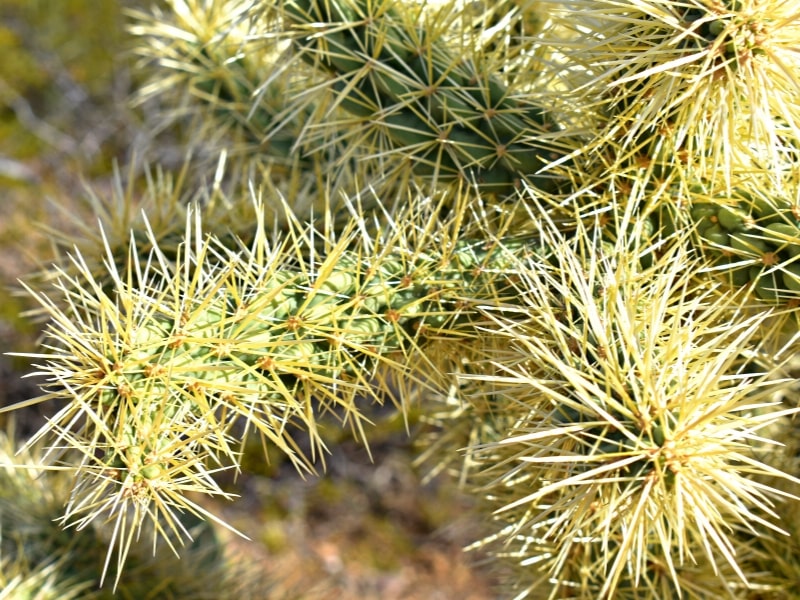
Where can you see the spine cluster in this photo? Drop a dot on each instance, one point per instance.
(454, 118)
(170, 366)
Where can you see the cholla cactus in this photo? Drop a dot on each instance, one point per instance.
(580, 233)
(626, 426)
(687, 90)
(43, 560)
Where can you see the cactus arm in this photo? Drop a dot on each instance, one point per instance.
(736, 59)
(159, 371)
(595, 384)
(453, 118)
(162, 372)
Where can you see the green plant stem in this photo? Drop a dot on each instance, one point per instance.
(166, 372)
(452, 116)
(752, 238)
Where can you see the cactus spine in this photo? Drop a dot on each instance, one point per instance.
(623, 424)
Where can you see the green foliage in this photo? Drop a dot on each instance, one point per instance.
(568, 230)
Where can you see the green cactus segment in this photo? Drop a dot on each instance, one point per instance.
(453, 119)
(41, 560)
(715, 54)
(214, 60)
(625, 424)
(235, 99)
(754, 241)
(157, 374)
